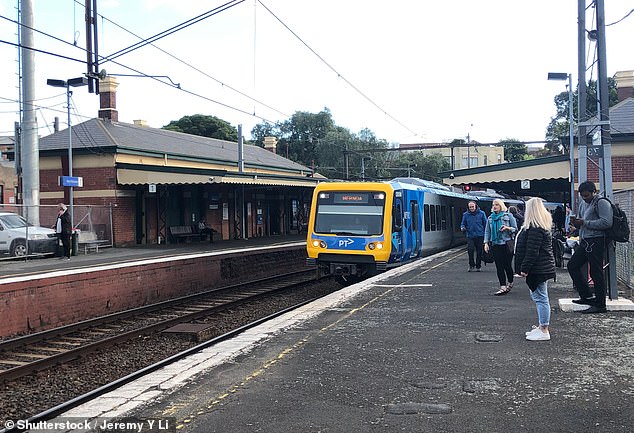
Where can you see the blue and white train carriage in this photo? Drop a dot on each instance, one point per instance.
(357, 229)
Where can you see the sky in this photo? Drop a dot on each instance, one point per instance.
(411, 71)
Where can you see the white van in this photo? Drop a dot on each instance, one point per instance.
(13, 232)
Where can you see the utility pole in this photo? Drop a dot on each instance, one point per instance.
(605, 169)
(29, 147)
(582, 172)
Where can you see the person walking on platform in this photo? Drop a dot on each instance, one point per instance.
(519, 218)
(473, 224)
(534, 260)
(595, 217)
(501, 226)
(63, 229)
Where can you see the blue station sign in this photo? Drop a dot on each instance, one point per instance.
(74, 181)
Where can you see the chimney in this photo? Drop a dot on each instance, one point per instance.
(624, 84)
(270, 144)
(108, 99)
(142, 123)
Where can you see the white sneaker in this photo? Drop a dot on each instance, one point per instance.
(538, 335)
(532, 329)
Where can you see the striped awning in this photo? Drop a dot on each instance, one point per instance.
(142, 177)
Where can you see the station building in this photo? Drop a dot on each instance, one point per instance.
(155, 179)
(549, 177)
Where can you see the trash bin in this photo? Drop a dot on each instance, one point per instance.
(74, 239)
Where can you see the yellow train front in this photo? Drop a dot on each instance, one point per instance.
(357, 229)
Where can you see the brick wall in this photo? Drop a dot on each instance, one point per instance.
(38, 304)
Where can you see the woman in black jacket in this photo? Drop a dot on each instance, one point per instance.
(534, 260)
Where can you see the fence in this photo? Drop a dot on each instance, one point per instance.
(624, 251)
(94, 222)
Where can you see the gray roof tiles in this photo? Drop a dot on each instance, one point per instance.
(96, 134)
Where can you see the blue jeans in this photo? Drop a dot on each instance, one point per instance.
(540, 296)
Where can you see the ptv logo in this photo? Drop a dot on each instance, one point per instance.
(346, 242)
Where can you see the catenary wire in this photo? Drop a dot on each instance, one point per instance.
(223, 84)
(367, 98)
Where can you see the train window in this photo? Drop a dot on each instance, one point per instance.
(443, 215)
(432, 215)
(397, 218)
(413, 205)
(426, 216)
(350, 213)
(438, 218)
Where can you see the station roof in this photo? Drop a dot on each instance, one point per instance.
(162, 156)
(545, 174)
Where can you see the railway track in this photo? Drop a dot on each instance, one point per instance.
(25, 355)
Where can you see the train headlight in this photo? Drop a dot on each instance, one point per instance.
(318, 243)
(375, 246)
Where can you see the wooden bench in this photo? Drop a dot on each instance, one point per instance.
(183, 232)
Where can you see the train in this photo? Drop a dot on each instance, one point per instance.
(358, 229)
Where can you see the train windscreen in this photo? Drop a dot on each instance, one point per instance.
(350, 213)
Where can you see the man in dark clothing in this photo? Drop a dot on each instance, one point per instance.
(473, 224)
(595, 216)
(63, 228)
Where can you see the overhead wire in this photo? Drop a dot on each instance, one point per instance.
(189, 65)
(126, 67)
(171, 30)
(356, 89)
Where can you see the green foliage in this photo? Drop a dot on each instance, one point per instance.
(205, 126)
(422, 166)
(558, 127)
(315, 141)
(514, 150)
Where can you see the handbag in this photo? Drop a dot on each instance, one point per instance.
(510, 246)
(487, 257)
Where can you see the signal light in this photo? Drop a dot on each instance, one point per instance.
(466, 188)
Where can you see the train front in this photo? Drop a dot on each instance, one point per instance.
(348, 230)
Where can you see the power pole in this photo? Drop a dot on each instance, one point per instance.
(605, 163)
(582, 173)
(29, 148)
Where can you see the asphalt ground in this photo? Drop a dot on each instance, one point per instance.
(426, 348)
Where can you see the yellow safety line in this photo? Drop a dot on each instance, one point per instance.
(287, 351)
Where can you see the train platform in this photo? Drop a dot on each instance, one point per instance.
(17, 267)
(423, 348)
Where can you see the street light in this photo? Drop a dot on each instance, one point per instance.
(562, 76)
(73, 82)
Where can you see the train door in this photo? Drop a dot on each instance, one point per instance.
(397, 226)
(414, 227)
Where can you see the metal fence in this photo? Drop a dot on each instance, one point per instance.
(94, 223)
(624, 251)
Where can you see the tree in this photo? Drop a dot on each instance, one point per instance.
(514, 150)
(558, 126)
(205, 126)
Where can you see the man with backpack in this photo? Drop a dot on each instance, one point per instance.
(595, 218)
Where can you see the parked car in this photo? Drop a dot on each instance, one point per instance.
(13, 232)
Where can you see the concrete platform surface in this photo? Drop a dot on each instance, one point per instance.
(425, 348)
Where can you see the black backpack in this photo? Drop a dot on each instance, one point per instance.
(620, 230)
